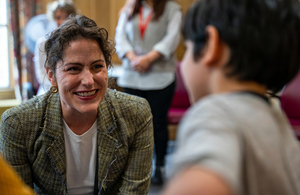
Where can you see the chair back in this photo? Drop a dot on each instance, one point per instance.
(180, 102)
(290, 103)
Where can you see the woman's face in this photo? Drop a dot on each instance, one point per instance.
(81, 77)
(60, 16)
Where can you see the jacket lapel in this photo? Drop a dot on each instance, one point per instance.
(107, 144)
(53, 130)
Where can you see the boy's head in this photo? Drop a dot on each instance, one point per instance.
(254, 41)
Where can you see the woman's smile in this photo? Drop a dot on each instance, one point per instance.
(86, 94)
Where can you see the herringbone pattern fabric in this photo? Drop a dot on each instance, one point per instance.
(32, 141)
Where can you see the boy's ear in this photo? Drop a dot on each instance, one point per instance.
(213, 50)
(51, 76)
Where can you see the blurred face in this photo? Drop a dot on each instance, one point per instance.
(195, 74)
(81, 77)
(60, 16)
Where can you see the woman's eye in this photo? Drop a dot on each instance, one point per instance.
(98, 66)
(73, 69)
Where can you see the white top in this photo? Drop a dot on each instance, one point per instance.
(243, 139)
(81, 160)
(39, 62)
(162, 36)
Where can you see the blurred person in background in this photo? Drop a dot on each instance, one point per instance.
(234, 141)
(80, 137)
(147, 35)
(58, 11)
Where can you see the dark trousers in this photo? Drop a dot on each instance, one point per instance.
(160, 101)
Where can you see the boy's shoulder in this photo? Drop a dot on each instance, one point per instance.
(229, 101)
(230, 132)
(228, 110)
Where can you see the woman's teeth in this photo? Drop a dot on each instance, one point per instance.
(86, 94)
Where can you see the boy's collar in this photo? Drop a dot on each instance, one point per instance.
(265, 98)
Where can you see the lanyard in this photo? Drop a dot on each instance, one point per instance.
(143, 26)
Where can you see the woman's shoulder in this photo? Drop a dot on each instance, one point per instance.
(130, 107)
(124, 99)
(33, 107)
(171, 8)
(173, 5)
(129, 104)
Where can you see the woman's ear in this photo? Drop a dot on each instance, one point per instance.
(214, 48)
(51, 76)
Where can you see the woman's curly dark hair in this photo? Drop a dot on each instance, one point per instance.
(74, 28)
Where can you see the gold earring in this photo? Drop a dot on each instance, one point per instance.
(54, 89)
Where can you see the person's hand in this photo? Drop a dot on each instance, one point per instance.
(130, 56)
(141, 64)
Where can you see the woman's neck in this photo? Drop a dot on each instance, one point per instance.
(80, 124)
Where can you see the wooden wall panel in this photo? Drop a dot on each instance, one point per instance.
(44, 5)
(84, 7)
(106, 13)
(115, 7)
(185, 4)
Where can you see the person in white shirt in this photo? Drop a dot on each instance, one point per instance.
(147, 35)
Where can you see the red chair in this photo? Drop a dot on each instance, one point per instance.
(290, 103)
(180, 102)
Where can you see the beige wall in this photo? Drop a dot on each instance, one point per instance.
(105, 14)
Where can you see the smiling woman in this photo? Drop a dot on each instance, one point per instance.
(78, 130)
(82, 79)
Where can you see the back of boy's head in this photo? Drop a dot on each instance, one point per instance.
(263, 36)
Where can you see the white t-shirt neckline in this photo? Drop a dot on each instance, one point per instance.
(80, 160)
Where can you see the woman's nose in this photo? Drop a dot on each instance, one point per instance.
(87, 78)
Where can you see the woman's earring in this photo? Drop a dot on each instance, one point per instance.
(54, 89)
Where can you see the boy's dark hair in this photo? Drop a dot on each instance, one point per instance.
(263, 36)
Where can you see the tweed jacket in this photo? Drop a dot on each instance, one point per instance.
(32, 141)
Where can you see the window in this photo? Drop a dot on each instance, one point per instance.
(6, 80)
